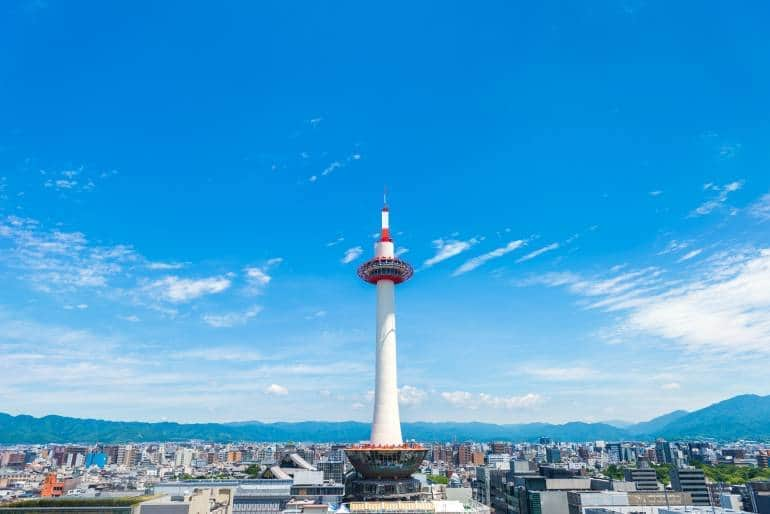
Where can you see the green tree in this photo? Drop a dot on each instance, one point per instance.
(614, 471)
(438, 479)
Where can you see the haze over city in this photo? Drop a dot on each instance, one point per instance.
(186, 192)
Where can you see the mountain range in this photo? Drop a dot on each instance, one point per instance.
(740, 417)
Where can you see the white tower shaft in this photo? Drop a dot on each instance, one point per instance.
(386, 425)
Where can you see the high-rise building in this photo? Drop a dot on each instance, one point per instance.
(552, 455)
(693, 481)
(465, 454)
(663, 454)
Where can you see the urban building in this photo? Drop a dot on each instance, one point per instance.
(645, 479)
(693, 481)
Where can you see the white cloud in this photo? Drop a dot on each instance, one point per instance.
(352, 254)
(539, 251)
(675, 246)
(690, 255)
(179, 290)
(55, 261)
(671, 386)
(80, 306)
(729, 150)
(231, 319)
(257, 277)
(277, 390)
(510, 402)
(219, 354)
(401, 251)
(474, 401)
(335, 242)
(459, 398)
(725, 307)
(657, 192)
(330, 168)
(133, 318)
(409, 395)
(448, 248)
(717, 201)
(475, 262)
(164, 265)
(761, 208)
(556, 374)
(336, 165)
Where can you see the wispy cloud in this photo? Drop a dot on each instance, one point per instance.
(657, 192)
(675, 246)
(56, 261)
(165, 266)
(717, 201)
(671, 386)
(557, 374)
(180, 290)
(337, 241)
(258, 277)
(448, 248)
(335, 165)
(231, 319)
(475, 262)
(352, 254)
(540, 251)
(690, 255)
(219, 353)
(725, 306)
(474, 401)
(761, 208)
(729, 150)
(73, 180)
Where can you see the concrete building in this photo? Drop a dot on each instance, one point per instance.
(699, 510)
(691, 480)
(333, 470)
(759, 493)
(642, 502)
(645, 479)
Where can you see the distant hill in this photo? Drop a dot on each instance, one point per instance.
(654, 425)
(741, 417)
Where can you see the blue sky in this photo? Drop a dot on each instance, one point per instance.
(187, 189)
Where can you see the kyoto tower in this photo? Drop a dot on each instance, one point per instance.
(384, 466)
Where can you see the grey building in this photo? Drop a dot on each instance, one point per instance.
(759, 492)
(333, 470)
(645, 479)
(691, 480)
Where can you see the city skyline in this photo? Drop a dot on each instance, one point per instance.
(186, 193)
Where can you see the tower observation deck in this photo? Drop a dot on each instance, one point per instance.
(385, 464)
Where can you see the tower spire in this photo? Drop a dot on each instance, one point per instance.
(385, 229)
